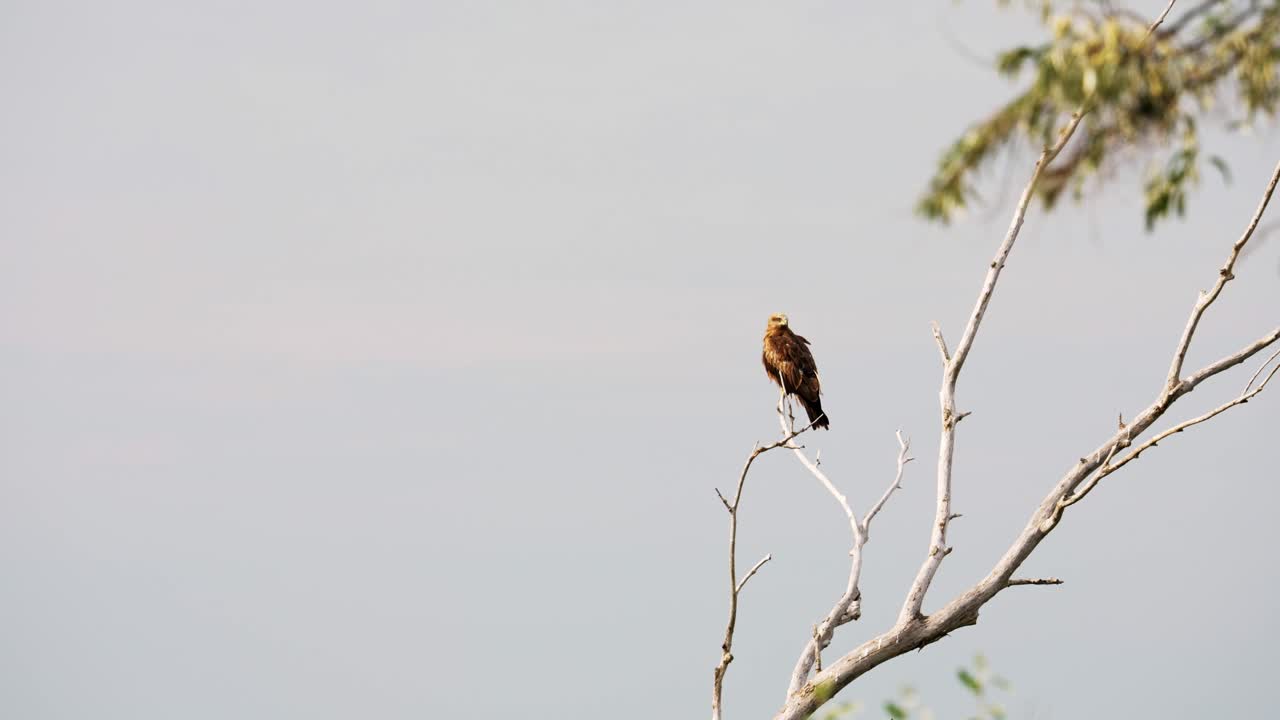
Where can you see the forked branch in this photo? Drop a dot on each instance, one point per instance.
(849, 607)
(1108, 467)
(952, 364)
(810, 688)
(916, 631)
(736, 585)
(1225, 275)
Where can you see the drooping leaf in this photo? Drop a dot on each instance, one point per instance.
(1143, 93)
(1222, 167)
(969, 681)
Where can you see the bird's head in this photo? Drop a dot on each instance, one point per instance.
(777, 320)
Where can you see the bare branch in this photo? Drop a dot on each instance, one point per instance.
(904, 457)
(938, 549)
(914, 630)
(942, 344)
(743, 582)
(1225, 275)
(1260, 369)
(963, 610)
(723, 501)
(951, 373)
(848, 607)
(1159, 20)
(813, 468)
(1194, 13)
(1175, 388)
(1015, 226)
(1243, 398)
(1123, 438)
(817, 653)
(1229, 361)
(1067, 502)
(735, 586)
(1033, 581)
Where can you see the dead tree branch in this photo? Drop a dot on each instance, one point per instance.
(1244, 397)
(913, 630)
(736, 585)
(952, 364)
(1225, 275)
(1034, 581)
(848, 607)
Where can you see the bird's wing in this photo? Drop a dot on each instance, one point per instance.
(803, 358)
(788, 360)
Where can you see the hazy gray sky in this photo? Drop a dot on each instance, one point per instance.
(379, 360)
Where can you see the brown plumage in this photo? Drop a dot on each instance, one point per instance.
(790, 365)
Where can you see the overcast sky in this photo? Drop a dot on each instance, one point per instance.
(379, 360)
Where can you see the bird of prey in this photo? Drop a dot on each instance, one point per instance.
(790, 365)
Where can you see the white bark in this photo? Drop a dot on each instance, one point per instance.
(736, 585)
(913, 630)
(953, 363)
(810, 688)
(848, 607)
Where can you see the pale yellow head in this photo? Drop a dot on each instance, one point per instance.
(778, 320)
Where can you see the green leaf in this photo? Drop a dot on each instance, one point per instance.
(1144, 94)
(1223, 168)
(1011, 61)
(895, 711)
(969, 681)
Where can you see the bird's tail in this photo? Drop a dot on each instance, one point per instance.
(817, 417)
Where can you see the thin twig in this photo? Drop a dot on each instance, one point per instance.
(722, 500)
(813, 468)
(1107, 468)
(735, 585)
(951, 373)
(1176, 387)
(743, 582)
(942, 343)
(1225, 275)
(1077, 483)
(1159, 20)
(1230, 361)
(1047, 156)
(1067, 502)
(904, 446)
(1034, 581)
(919, 631)
(1260, 369)
(848, 607)
(1183, 20)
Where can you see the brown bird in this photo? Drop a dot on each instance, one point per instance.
(790, 365)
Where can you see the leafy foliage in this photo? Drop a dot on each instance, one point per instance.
(1142, 91)
(980, 680)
